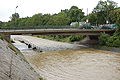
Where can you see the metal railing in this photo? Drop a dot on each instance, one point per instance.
(38, 27)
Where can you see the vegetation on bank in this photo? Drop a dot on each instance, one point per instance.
(110, 41)
(62, 38)
(1, 37)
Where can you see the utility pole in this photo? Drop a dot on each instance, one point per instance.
(87, 16)
(15, 14)
(16, 8)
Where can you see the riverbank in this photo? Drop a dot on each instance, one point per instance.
(14, 66)
(112, 49)
(84, 41)
(44, 44)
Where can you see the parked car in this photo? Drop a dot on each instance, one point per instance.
(85, 26)
(108, 26)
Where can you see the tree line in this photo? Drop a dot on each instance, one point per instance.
(64, 17)
(104, 11)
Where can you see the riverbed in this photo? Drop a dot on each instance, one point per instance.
(74, 64)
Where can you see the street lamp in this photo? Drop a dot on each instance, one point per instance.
(16, 8)
(15, 15)
(87, 17)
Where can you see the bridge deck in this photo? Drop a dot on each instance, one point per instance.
(57, 31)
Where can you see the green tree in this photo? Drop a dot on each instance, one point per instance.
(75, 14)
(46, 19)
(14, 20)
(60, 19)
(1, 23)
(103, 9)
(93, 18)
(115, 16)
(36, 20)
(14, 16)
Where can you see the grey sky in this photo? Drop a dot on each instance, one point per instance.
(31, 7)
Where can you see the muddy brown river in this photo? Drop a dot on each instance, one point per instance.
(83, 64)
(79, 64)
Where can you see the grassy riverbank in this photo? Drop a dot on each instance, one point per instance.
(74, 38)
(62, 38)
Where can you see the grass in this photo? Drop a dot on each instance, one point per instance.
(1, 37)
(41, 79)
(12, 47)
(62, 38)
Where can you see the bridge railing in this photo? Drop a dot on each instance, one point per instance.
(38, 27)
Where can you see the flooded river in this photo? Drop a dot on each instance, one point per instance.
(85, 64)
(80, 64)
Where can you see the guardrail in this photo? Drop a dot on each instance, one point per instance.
(38, 27)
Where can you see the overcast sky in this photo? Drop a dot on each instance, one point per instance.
(31, 7)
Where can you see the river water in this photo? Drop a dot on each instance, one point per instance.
(80, 64)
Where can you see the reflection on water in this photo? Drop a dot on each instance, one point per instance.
(85, 64)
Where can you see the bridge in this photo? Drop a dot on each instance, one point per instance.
(91, 33)
(57, 31)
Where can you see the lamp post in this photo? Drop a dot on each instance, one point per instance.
(16, 8)
(87, 17)
(15, 15)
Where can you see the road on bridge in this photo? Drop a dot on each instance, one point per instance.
(57, 31)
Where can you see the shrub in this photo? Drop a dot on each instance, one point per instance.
(75, 38)
(114, 41)
(103, 38)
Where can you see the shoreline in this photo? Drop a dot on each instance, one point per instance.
(40, 44)
(112, 49)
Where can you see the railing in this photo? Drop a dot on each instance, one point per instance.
(38, 27)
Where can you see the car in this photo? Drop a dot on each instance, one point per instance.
(108, 26)
(85, 26)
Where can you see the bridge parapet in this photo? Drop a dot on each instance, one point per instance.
(57, 31)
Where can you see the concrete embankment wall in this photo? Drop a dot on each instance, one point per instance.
(14, 66)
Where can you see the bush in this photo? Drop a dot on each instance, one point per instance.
(75, 38)
(111, 41)
(1, 37)
(63, 38)
(103, 38)
(114, 41)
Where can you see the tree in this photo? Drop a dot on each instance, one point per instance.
(14, 20)
(60, 19)
(75, 14)
(103, 9)
(14, 16)
(46, 18)
(93, 18)
(74, 7)
(1, 23)
(36, 19)
(115, 16)
(66, 11)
